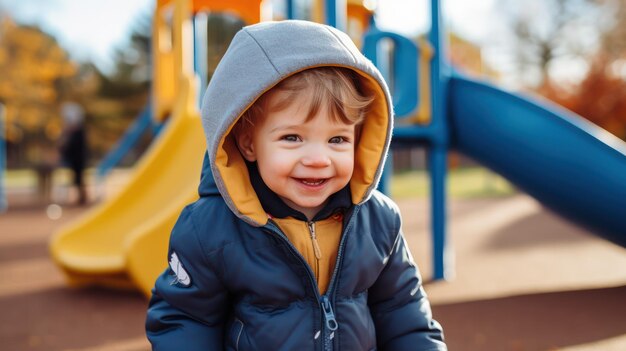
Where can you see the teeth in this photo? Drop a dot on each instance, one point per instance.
(312, 182)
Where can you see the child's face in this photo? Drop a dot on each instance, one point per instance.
(303, 162)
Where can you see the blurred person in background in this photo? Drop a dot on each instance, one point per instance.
(46, 159)
(73, 146)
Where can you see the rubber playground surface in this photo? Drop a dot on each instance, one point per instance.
(525, 280)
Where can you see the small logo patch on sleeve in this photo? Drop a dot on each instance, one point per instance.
(182, 276)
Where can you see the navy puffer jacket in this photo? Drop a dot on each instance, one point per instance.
(235, 281)
(249, 289)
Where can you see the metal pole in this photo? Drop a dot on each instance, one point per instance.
(3, 165)
(290, 10)
(442, 268)
(336, 14)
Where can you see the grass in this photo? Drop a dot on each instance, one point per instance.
(27, 178)
(19, 178)
(472, 182)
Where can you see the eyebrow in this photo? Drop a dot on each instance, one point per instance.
(346, 129)
(280, 128)
(283, 127)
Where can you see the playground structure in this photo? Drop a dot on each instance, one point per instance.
(570, 165)
(142, 123)
(3, 196)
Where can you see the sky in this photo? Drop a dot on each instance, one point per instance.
(92, 29)
(413, 16)
(87, 29)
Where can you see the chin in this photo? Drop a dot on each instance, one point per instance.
(310, 206)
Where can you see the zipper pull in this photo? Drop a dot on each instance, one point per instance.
(329, 315)
(316, 247)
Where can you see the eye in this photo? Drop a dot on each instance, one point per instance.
(338, 140)
(290, 138)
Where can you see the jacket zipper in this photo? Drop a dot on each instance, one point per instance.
(330, 324)
(331, 285)
(316, 248)
(275, 230)
(329, 330)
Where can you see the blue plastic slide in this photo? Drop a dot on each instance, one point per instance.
(130, 138)
(573, 167)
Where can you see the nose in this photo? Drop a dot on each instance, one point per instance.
(315, 157)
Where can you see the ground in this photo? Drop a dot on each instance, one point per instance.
(524, 280)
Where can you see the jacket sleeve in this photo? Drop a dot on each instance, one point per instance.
(399, 305)
(189, 304)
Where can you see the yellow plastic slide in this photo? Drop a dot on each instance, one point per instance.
(136, 222)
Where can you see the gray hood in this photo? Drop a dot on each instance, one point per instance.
(259, 57)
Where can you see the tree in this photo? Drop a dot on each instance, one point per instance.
(34, 71)
(613, 41)
(601, 96)
(122, 93)
(594, 32)
(38, 75)
(545, 32)
(132, 71)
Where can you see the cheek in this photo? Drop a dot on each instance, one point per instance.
(274, 164)
(275, 173)
(345, 165)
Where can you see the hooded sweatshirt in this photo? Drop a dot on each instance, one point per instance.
(240, 279)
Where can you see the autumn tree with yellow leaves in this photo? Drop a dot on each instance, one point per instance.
(38, 75)
(35, 70)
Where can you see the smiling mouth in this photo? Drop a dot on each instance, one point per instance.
(312, 182)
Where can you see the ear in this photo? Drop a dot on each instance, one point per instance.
(244, 143)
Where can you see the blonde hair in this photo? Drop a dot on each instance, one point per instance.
(338, 87)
